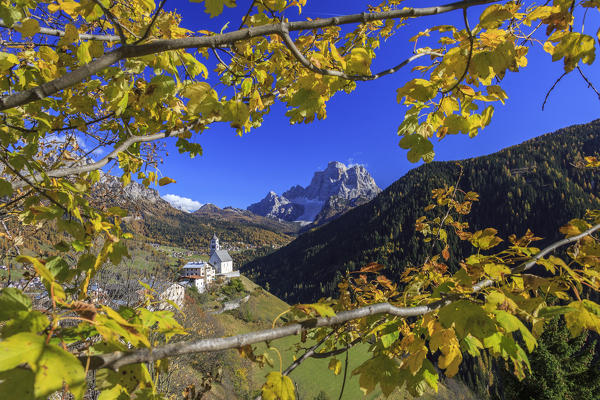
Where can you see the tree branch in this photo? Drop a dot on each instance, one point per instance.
(58, 32)
(289, 43)
(119, 359)
(529, 264)
(113, 19)
(219, 40)
(61, 172)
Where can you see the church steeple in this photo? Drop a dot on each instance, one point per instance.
(214, 244)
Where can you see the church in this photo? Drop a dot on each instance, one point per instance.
(219, 259)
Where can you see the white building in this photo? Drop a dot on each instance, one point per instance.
(220, 259)
(199, 273)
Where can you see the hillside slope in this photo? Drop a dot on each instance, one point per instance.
(539, 184)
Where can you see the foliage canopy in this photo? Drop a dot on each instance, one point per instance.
(118, 76)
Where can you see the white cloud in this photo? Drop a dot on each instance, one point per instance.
(351, 163)
(182, 203)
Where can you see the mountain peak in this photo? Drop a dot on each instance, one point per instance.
(354, 185)
(337, 165)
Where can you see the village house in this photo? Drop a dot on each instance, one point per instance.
(198, 273)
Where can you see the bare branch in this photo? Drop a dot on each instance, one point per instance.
(247, 13)
(219, 40)
(58, 32)
(118, 359)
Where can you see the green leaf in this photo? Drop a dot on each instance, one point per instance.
(471, 345)
(335, 365)
(509, 322)
(456, 124)
(12, 301)
(7, 60)
(71, 35)
(586, 315)
(359, 61)
(467, 318)
(56, 366)
(574, 47)
(17, 384)
(29, 27)
(322, 309)
(246, 86)
(25, 321)
(215, 7)
(419, 146)
(51, 365)
(379, 370)
(553, 311)
(278, 387)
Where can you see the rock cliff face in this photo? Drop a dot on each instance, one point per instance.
(331, 192)
(134, 192)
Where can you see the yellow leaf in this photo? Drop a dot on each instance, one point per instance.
(335, 365)
(165, 181)
(83, 53)
(278, 387)
(359, 61)
(494, 16)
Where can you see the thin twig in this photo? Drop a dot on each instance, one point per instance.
(470, 55)
(551, 89)
(345, 375)
(247, 13)
(58, 32)
(589, 83)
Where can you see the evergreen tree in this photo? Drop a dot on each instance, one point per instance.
(561, 368)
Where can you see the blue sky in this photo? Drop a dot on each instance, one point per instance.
(361, 127)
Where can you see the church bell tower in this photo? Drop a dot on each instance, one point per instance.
(214, 244)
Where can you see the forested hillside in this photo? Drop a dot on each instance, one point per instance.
(194, 231)
(539, 184)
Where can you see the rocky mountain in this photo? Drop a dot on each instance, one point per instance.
(153, 219)
(135, 192)
(331, 193)
(540, 184)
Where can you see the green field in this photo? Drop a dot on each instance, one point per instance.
(313, 375)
